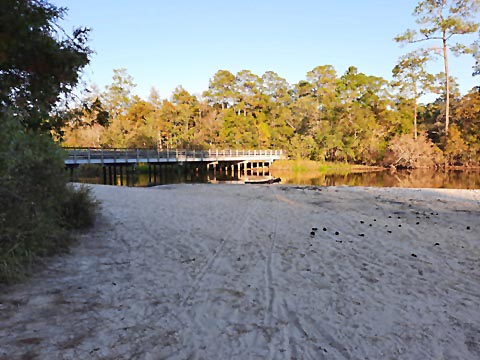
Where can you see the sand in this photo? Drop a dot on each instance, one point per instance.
(236, 272)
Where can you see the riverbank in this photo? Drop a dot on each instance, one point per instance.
(235, 271)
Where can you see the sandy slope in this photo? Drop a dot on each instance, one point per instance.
(233, 272)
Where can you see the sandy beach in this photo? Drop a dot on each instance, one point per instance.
(258, 272)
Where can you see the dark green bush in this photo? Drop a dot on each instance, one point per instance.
(40, 64)
(79, 207)
(37, 207)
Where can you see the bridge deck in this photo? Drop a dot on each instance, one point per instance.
(132, 156)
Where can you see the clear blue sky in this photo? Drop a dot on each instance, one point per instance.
(184, 42)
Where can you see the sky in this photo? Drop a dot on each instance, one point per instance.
(165, 43)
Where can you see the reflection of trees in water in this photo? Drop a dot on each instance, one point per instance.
(424, 178)
(420, 178)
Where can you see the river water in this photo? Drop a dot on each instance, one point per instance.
(421, 178)
(424, 178)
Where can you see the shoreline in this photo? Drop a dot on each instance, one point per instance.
(235, 271)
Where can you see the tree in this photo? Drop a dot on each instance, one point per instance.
(467, 114)
(456, 151)
(440, 20)
(118, 95)
(476, 55)
(247, 87)
(323, 91)
(39, 65)
(276, 88)
(221, 88)
(413, 80)
(187, 110)
(324, 83)
(39, 62)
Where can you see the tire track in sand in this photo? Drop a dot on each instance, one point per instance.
(198, 277)
(269, 286)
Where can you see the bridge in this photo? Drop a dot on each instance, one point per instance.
(109, 157)
(119, 162)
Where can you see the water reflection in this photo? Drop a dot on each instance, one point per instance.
(155, 175)
(424, 178)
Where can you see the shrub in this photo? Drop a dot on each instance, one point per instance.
(406, 152)
(36, 201)
(79, 207)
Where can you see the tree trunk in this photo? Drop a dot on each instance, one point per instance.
(415, 112)
(415, 120)
(447, 84)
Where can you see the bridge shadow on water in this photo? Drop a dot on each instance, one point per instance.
(145, 175)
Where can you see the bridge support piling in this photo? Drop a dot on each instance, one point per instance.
(104, 169)
(121, 175)
(114, 174)
(162, 173)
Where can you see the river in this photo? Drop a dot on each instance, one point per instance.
(422, 178)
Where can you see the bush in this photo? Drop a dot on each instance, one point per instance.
(36, 201)
(406, 152)
(79, 207)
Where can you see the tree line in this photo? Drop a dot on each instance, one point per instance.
(352, 117)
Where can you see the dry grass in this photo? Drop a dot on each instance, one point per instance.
(316, 167)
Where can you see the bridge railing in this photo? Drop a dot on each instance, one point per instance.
(96, 155)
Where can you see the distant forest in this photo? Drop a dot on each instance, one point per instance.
(353, 117)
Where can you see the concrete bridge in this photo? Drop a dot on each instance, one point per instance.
(79, 156)
(116, 162)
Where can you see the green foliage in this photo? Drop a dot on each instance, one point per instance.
(439, 21)
(39, 65)
(413, 80)
(33, 195)
(351, 118)
(79, 207)
(455, 148)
